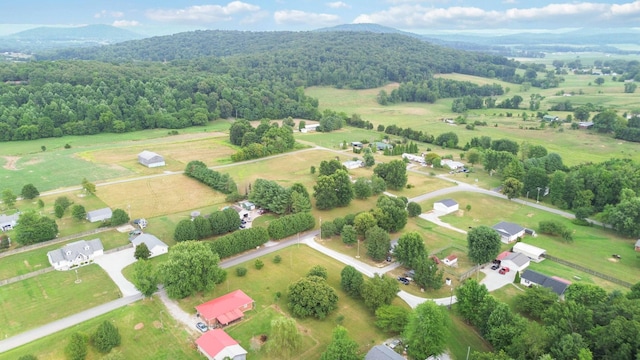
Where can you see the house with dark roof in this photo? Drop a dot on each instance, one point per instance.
(150, 159)
(155, 245)
(446, 206)
(99, 215)
(225, 309)
(514, 261)
(533, 278)
(75, 254)
(218, 345)
(381, 352)
(7, 222)
(509, 232)
(381, 146)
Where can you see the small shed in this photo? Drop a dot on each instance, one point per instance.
(356, 144)
(515, 261)
(218, 345)
(99, 215)
(150, 159)
(550, 118)
(638, 245)
(353, 164)
(155, 245)
(450, 260)
(447, 206)
(532, 252)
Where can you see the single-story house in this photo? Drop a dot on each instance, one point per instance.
(532, 252)
(381, 146)
(309, 128)
(356, 144)
(155, 245)
(225, 309)
(353, 164)
(381, 352)
(248, 205)
(585, 124)
(638, 245)
(450, 260)
(7, 222)
(514, 261)
(75, 254)
(446, 205)
(150, 159)
(416, 158)
(218, 345)
(557, 285)
(509, 232)
(550, 118)
(453, 165)
(99, 215)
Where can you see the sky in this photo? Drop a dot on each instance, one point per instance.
(159, 17)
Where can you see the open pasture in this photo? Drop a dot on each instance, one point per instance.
(592, 246)
(150, 197)
(45, 298)
(146, 329)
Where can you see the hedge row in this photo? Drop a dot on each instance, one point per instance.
(217, 181)
(239, 241)
(291, 224)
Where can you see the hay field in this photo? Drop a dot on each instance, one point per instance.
(158, 196)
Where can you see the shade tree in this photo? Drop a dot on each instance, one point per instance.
(409, 249)
(427, 331)
(378, 243)
(351, 281)
(378, 291)
(483, 243)
(29, 192)
(311, 296)
(341, 347)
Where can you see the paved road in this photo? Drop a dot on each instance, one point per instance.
(58, 325)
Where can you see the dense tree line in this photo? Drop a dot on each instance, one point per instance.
(33, 228)
(198, 228)
(271, 196)
(266, 139)
(215, 180)
(289, 225)
(433, 89)
(239, 241)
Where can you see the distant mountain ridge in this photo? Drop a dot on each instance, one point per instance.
(48, 38)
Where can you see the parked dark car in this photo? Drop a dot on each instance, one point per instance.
(404, 280)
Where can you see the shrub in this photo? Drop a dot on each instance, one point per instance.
(241, 271)
(290, 224)
(259, 264)
(277, 259)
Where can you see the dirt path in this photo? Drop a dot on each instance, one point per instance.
(11, 162)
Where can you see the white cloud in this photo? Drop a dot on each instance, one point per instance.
(338, 5)
(417, 16)
(301, 17)
(125, 23)
(203, 13)
(105, 13)
(254, 18)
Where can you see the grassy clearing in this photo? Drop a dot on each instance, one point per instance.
(507, 294)
(592, 246)
(37, 301)
(160, 337)
(464, 338)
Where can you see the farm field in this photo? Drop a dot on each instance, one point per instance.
(23, 162)
(40, 300)
(592, 246)
(146, 329)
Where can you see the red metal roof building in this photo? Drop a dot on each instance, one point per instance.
(218, 345)
(225, 309)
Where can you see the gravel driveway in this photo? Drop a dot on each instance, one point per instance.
(113, 264)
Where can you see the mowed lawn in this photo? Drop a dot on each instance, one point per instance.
(52, 296)
(592, 246)
(146, 329)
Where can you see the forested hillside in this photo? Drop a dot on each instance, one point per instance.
(209, 75)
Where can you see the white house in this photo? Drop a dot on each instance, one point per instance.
(155, 245)
(99, 215)
(446, 206)
(450, 260)
(150, 159)
(353, 164)
(75, 254)
(453, 165)
(514, 261)
(7, 222)
(416, 158)
(218, 345)
(532, 252)
(509, 232)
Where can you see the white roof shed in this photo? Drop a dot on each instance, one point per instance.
(532, 252)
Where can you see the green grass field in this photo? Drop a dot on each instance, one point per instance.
(37, 301)
(159, 338)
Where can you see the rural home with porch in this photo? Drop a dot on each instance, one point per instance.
(155, 245)
(75, 254)
(99, 215)
(225, 309)
(7, 222)
(218, 345)
(446, 206)
(509, 232)
(533, 278)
